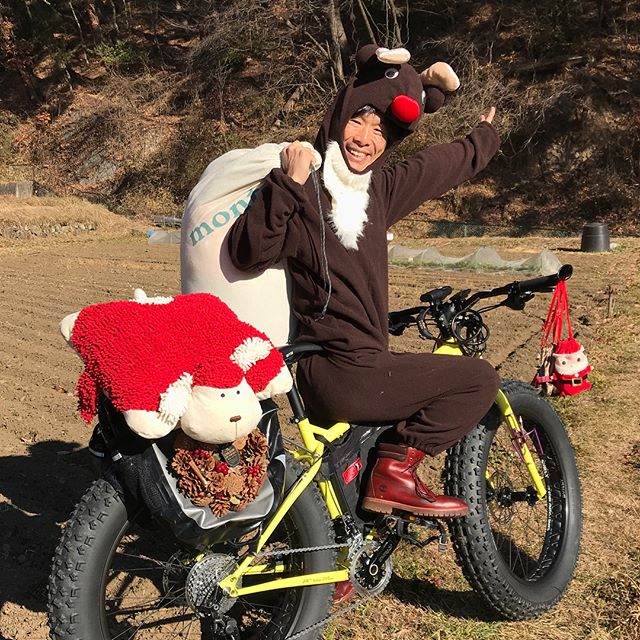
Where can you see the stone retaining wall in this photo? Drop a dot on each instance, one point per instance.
(19, 231)
(17, 189)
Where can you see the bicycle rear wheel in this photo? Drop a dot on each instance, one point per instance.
(113, 579)
(518, 552)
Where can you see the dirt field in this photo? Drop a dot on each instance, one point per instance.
(44, 465)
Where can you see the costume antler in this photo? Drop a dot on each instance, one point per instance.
(438, 80)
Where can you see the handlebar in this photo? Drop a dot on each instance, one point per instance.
(454, 315)
(545, 284)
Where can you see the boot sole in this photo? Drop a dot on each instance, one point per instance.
(383, 506)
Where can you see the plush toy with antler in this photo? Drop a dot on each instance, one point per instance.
(437, 81)
(185, 361)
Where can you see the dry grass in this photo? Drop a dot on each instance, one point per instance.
(51, 216)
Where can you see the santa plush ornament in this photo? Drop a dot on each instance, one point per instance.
(563, 363)
(570, 368)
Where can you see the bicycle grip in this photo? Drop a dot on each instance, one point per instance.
(546, 282)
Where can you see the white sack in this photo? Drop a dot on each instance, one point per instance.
(221, 195)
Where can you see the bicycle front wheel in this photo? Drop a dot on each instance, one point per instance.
(518, 551)
(113, 579)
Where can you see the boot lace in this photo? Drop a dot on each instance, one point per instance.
(421, 488)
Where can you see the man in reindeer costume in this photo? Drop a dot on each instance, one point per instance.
(334, 237)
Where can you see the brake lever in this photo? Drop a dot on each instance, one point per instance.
(517, 301)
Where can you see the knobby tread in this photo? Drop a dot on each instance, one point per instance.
(324, 535)
(472, 538)
(83, 535)
(68, 568)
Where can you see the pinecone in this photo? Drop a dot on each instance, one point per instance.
(207, 480)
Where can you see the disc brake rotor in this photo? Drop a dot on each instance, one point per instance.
(175, 575)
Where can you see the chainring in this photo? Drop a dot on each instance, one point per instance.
(368, 579)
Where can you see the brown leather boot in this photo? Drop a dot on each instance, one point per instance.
(394, 484)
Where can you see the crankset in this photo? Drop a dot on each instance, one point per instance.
(370, 567)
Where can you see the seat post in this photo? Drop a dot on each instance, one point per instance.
(291, 353)
(295, 401)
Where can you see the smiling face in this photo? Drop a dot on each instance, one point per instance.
(364, 140)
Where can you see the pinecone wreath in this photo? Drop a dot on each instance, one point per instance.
(223, 477)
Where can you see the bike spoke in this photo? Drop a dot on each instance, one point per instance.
(519, 527)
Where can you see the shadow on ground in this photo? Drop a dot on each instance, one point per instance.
(41, 490)
(464, 605)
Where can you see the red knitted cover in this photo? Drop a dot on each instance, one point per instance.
(134, 351)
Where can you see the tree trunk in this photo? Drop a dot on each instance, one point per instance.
(339, 44)
(367, 23)
(397, 32)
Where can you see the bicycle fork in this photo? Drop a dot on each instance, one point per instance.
(519, 442)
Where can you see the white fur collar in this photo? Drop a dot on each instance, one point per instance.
(349, 196)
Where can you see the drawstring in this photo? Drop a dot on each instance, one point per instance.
(324, 263)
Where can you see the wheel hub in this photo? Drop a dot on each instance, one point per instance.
(201, 589)
(499, 498)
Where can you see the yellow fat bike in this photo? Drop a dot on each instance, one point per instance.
(118, 575)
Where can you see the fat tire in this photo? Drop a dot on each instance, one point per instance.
(81, 561)
(507, 594)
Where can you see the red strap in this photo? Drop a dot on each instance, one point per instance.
(558, 310)
(540, 379)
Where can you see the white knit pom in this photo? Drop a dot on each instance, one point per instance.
(174, 401)
(140, 296)
(251, 351)
(67, 324)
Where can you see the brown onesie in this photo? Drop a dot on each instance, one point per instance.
(337, 260)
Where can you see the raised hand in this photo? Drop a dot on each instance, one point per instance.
(488, 117)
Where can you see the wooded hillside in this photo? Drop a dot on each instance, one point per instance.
(127, 101)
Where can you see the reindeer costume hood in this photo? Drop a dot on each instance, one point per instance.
(385, 81)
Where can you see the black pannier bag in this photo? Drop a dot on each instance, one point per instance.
(351, 459)
(140, 469)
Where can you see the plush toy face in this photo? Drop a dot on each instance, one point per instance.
(570, 364)
(221, 415)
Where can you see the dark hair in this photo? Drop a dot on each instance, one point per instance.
(368, 109)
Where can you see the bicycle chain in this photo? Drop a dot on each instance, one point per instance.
(330, 618)
(287, 552)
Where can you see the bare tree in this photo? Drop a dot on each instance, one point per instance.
(339, 44)
(17, 54)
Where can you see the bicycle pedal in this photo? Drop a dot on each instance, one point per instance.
(421, 521)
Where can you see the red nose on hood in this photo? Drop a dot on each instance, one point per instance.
(405, 108)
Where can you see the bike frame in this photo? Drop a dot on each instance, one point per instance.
(314, 439)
